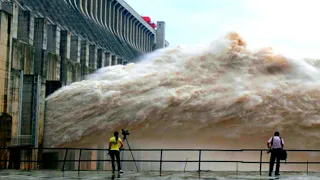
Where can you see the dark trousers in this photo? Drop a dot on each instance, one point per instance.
(275, 156)
(113, 154)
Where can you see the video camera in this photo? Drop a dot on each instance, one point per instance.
(125, 132)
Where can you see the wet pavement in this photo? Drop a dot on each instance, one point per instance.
(97, 175)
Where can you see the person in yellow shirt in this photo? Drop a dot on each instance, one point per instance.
(114, 150)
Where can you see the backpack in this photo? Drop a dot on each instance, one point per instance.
(283, 155)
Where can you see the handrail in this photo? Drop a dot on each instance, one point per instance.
(229, 150)
(161, 160)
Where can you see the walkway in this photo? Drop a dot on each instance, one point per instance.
(55, 175)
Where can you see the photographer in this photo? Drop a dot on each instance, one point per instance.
(114, 150)
(275, 144)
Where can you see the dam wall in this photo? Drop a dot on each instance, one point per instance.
(47, 44)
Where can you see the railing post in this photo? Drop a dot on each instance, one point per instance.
(5, 159)
(28, 159)
(65, 158)
(79, 160)
(160, 162)
(307, 167)
(29, 156)
(260, 161)
(199, 161)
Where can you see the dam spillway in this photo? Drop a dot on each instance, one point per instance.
(46, 45)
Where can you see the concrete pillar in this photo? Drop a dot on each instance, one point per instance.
(40, 43)
(26, 26)
(82, 6)
(113, 16)
(104, 13)
(93, 156)
(75, 48)
(73, 4)
(110, 13)
(93, 56)
(8, 30)
(147, 41)
(54, 39)
(4, 60)
(108, 60)
(142, 29)
(32, 113)
(101, 155)
(76, 156)
(129, 27)
(134, 29)
(116, 19)
(113, 60)
(15, 100)
(101, 58)
(153, 41)
(120, 61)
(37, 82)
(160, 35)
(90, 9)
(77, 4)
(84, 58)
(99, 11)
(149, 46)
(85, 7)
(121, 23)
(15, 19)
(65, 42)
(140, 36)
(95, 10)
(126, 25)
(144, 42)
(137, 36)
(166, 43)
(132, 21)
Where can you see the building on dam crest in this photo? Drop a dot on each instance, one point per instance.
(47, 44)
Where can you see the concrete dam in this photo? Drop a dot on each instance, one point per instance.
(47, 44)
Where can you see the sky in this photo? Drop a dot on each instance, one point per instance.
(290, 27)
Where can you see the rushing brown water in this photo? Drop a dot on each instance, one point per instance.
(216, 96)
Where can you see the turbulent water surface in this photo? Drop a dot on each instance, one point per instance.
(189, 95)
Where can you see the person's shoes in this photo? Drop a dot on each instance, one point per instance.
(120, 171)
(270, 174)
(277, 174)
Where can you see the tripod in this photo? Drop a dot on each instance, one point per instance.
(125, 139)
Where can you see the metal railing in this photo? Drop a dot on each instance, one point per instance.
(64, 154)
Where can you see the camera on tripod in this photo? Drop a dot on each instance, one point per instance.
(125, 132)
